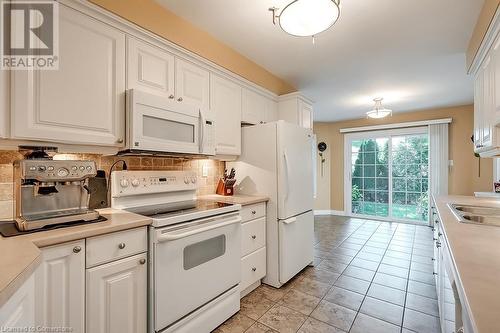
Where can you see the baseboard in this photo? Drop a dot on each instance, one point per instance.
(329, 212)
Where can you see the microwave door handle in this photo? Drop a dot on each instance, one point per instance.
(202, 131)
(171, 237)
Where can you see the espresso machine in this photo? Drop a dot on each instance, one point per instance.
(52, 192)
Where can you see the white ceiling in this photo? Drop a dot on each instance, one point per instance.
(412, 53)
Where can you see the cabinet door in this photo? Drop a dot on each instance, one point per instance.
(117, 296)
(149, 68)
(81, 102)
(191, 84)
(4, 102)
(60, 287)
(19, 310)
(272, 110)
(496, 79)
(226, 105)
(478, 110)
(305, 114)
(487, 110)
(254, 107)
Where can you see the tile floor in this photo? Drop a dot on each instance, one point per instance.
(368, 276)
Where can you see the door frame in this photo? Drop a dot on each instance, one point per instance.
(348, 138)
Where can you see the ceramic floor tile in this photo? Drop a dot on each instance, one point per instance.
(353, 284)
(312, 287)
(283, 319)
(396, 262)
(260, 328)
(344, 251)
(359, 273)
(365, 324)
(335, 315)
(390, 281)
(366, 264)
(254, 305)
(382, 310)
(321, 275)
(422, 277)
(421, 259)
(422, 289)
(421, 322)
(271, 293)
(312, 325)
(299, 301)
(426, 268)
(393, 270)
(371, 249)
(387, 294)
(344, 297)
(332, 266)
(422, 304)
(398, 255)
(340, 258)
(369, 256)
(238, 323)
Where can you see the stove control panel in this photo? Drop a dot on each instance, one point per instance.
(127, 183)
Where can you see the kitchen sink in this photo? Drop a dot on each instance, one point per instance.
(481, 215)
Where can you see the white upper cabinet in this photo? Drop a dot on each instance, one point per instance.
(83, 101)
(60, 287)
(192, 84)
(297, 109)
(4, 102)
(225, 103)
(254, 107)
(150, 68)
(272, 110)
(117, 296)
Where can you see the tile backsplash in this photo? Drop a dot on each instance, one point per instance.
(206, 185)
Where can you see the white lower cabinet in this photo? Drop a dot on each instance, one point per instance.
(117, 296)
(60, 287)
(253, 247)
(19, 310)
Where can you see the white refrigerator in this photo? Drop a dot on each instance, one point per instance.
(277, 161)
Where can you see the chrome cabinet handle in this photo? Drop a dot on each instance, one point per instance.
(434, 239)
(77, 249)
(434, 273)
(171, 96)
(120, 140)
(254, 212)
(254, 269)
(179, 99)
(440, 234)
(254, 236)
(479, 146)
(438, 244)
(121, 246)
(142, 261)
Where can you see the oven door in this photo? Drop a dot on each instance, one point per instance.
(164, 125)
(194, 263)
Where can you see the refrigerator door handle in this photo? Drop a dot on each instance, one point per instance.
(287, 173)
(290, 220)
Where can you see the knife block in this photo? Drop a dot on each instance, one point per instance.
(223, 189)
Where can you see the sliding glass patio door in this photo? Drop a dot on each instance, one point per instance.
(387, 174)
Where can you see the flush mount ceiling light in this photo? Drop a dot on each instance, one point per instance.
(378, 110)
(306, 18)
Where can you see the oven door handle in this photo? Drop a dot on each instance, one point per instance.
(171, 237)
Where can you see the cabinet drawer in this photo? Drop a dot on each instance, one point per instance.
(251, 212)
(253, 235)
(105, 248)
(253, 268)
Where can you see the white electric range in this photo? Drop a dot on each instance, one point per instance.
(194, 249)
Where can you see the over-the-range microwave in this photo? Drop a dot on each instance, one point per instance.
(159, 125)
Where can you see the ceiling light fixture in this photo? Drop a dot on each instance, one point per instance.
(378, 110)
(307, 18)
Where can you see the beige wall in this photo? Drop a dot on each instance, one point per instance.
(485, 17)
(463, 177)
(152, 16)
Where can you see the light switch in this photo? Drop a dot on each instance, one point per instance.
(204, 170)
